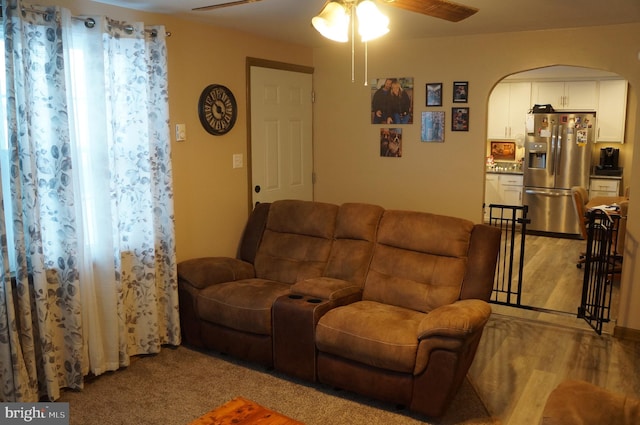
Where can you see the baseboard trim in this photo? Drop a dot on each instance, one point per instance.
(626, 333)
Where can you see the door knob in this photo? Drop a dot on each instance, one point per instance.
(257, 189)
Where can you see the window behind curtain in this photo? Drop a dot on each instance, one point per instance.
(4, 154)
(81, 119)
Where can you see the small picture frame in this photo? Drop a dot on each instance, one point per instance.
(391, 142)
(433, 126)
(503, 151)
(459, 119)
(433, 94)
(460, 92)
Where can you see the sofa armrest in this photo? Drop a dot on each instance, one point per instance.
(327, 288)
(576, 402)
(203, 272)
(457, 320)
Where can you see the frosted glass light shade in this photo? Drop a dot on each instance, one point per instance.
(333, 22)
(371, 22)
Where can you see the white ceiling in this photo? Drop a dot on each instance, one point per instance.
(290, 20)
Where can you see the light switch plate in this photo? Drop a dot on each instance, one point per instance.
(237, 160)
(181, 132)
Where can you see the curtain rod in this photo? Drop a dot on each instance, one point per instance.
(90, 22)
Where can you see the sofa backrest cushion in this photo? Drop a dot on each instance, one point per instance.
(481, 268)
(419, 261)
(355, 235)
(296, 241)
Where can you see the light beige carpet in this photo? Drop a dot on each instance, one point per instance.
(180, 384)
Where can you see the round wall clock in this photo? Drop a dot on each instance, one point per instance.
(217, 109)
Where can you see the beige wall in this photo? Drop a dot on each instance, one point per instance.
(211, 197)
(448, 178)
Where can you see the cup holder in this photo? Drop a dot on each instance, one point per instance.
(295, 297)
(314, 300)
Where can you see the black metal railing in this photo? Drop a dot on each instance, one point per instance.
(602, 263)
(512, 221)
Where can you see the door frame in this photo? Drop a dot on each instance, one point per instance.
(263, 63)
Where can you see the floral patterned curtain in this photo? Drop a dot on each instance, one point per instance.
(88, 258)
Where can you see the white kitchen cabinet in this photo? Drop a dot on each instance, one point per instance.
(491, 193)
(604, 187)
(508, 107)
(511, 189)
(502, 189)
(612, 111)
(566, 95)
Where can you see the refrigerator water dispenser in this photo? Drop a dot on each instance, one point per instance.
(537, 155)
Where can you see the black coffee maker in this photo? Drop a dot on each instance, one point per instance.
(609, 158)
(608, 161)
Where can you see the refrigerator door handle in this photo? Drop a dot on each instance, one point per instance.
(544, 192)
(559, 151)
(553, 150)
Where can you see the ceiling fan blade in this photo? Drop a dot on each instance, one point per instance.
(442, 9)
(221, 5)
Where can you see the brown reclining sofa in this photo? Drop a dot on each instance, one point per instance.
(390, 304)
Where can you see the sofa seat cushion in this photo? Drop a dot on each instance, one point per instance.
(244, 305)
(202, 272)
(372, 333)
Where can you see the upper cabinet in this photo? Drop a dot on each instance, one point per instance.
(511, 100)
(566, 95)
(508, 107)
(611, 111)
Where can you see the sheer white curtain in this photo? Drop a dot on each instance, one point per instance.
(87, 167)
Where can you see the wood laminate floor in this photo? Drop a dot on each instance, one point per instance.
(520, 361)
(525, 354)
(552, 282)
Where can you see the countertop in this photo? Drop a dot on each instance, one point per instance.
(519, 173)
(512, 172)
(599, 176)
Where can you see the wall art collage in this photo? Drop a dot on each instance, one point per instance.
(392, 104)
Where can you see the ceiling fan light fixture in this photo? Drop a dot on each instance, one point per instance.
(337, 16)
(333, 22)
(371, 22)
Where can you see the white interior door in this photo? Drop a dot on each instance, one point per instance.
(281, 135)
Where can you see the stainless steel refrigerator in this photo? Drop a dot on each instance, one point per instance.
(557, 157)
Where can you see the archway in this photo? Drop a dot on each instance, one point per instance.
(511, 143)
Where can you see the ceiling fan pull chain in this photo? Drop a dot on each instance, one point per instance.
(366, 63)
(353, 48)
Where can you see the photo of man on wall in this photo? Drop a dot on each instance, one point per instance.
(392, 101)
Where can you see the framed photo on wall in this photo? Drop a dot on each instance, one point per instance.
(433, 126)
(459, 119)
(392, 100)
(391, 142)
(434, 94)
(460, 92)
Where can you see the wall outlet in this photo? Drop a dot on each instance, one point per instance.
(238, 160)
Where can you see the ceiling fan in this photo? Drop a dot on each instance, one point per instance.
(443, 9)
(221, 5)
